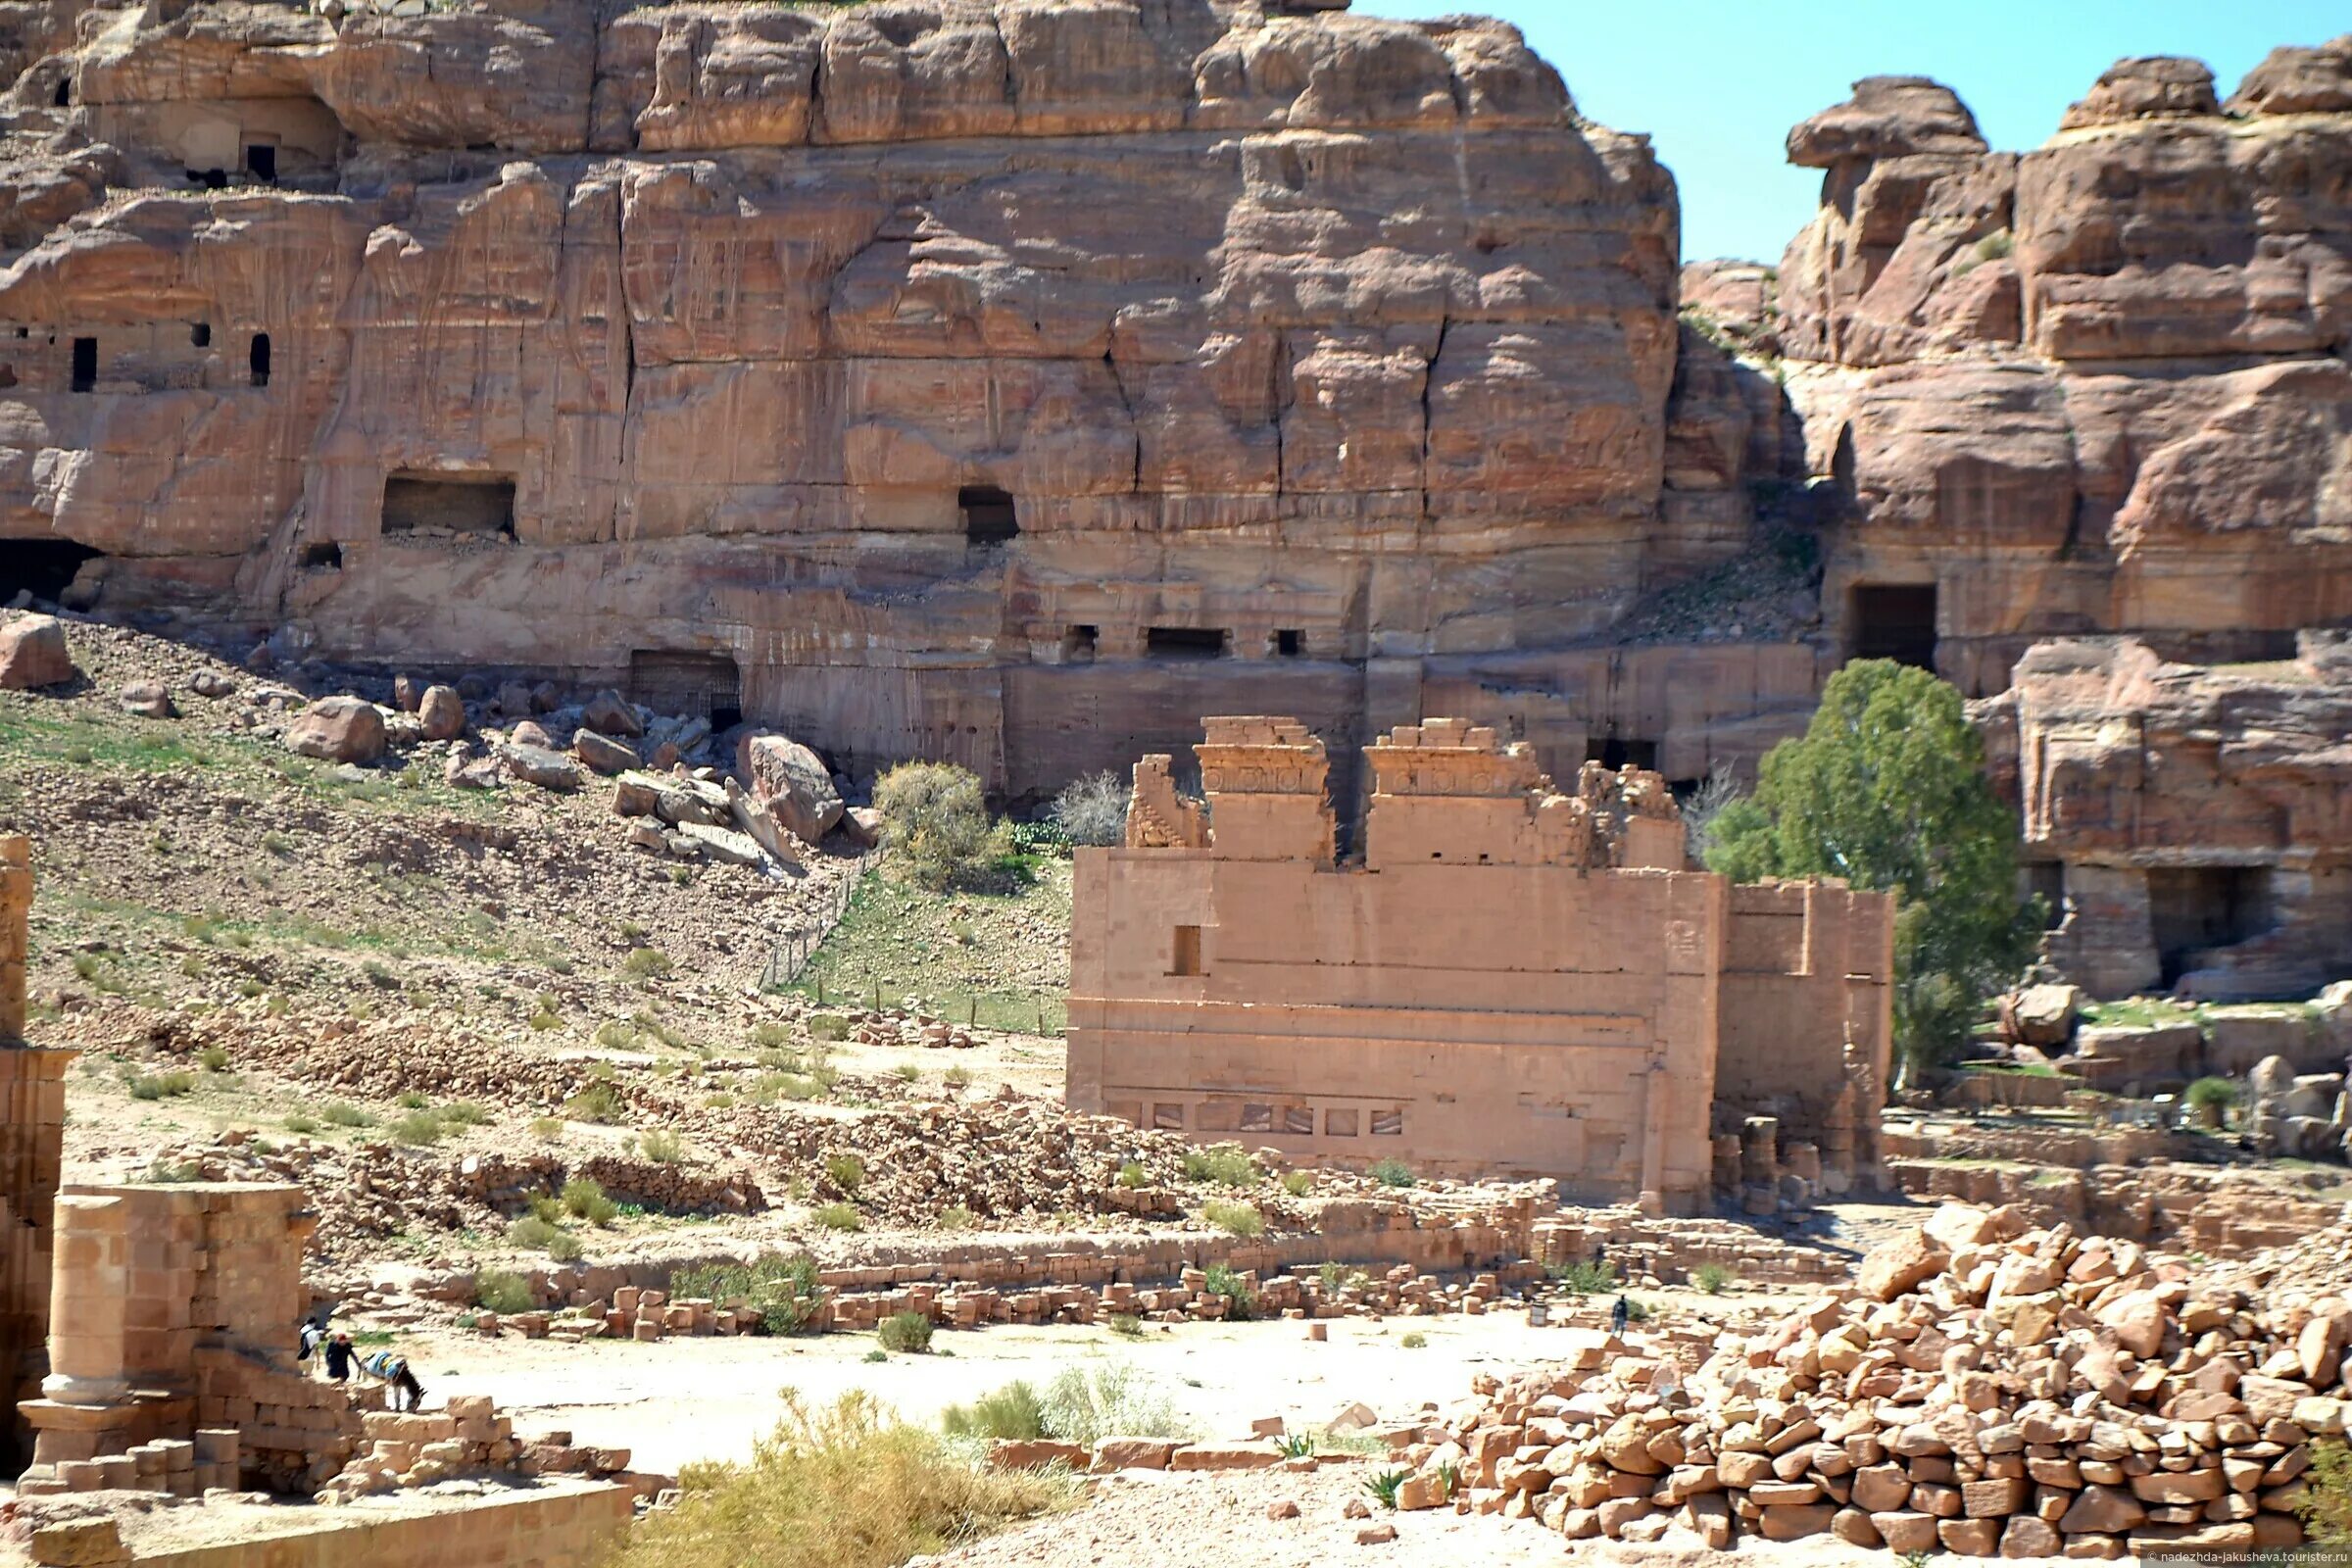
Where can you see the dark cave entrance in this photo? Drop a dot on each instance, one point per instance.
(2195, 908)
(1895, 620)
(46, 567)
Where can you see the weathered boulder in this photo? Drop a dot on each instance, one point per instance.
(537, 764)
(34, 653)
(148, 698)
(608, 713)
(791, 782)
(2044, 1014)
(339, 729)
(442, 712)
(606, 757)
(1900, 1263)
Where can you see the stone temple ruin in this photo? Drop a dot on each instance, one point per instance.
(1512, 979)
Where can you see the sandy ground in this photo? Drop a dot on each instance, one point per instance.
(678, 1401)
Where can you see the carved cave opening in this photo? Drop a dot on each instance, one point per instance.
(257, 361)
(1186, 642)
(422, 503)
(2195, 908)
(260, 162)
(85, 364)
(1895, 620)
(990, 516)
(322, 557)
(1617, 753)
(1290, 644)
(44, 567)
(1078, 644)
(682, 681)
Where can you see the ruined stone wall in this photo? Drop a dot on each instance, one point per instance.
(33, 1123)
(1807, 1017)
(1513, 980)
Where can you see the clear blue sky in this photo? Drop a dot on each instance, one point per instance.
(1717, 83)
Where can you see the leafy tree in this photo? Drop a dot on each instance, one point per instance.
(1887, 789)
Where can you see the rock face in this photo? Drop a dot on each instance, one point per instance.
(790, 781)
(812, 363)
(338, 729)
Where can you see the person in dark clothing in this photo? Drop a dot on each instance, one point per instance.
(339, 1355)
(1620, 1314)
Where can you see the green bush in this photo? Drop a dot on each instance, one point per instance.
(215, 1058)
(1414, 1342)
(830, 1026)
(2327, 1505)
(1085, 1408)
(851, 1487)
(845, 1171)
(837, 1217)
(418, 1127)
(548, 1129)
(498, 1291)
(1238, 1219)
(1240, 1301)
(662, 1146)
(600, 1101)
(585, 1199)
(465, 1113)
(1226, 1164)
(1384, 1486)
(1127, 1325)
(956, 1218)
(161, 1085)
(339, 1114)
(905, 1333)
(563, 1248)
(1012, 1411)
(1712, 1278)
(532, 1232)
(1132, 1175)
(935, 825)
(644, 963)
(1394, 1173)
(2210, 1099)
(410, 1099)
(1298, 1183)
(782, 1288)
(301, 1124)
(1585, 1277)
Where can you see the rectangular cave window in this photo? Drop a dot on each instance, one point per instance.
(1256, 1118)
(256, 359)
(1166, 1117)
(1616, 752)
(1387, 1124)
(260, 162)
(418, 502)
(1298, 1120)
(328, 556)
(1078, 644)
(2046, 880)
(989, 515)
(1186, 642)
(2193, 910)
(200, 334)
(1339, 1124)
(1290, 644)
(1185, 955)
(85, 364)
(688, 681)
(1895, 620)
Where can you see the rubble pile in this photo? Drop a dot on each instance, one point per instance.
(1982, 1388)
(403, 1450)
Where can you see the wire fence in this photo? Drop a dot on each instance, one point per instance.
(789, 953)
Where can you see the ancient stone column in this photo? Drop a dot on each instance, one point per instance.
(16, 909)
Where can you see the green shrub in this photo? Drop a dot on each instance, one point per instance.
(301, 1124)
(935, 825)
(532, 1232)
(1384, 1486)
(1298, 1183)
(1394, 1173)
(2210, 1099)
(547, 1206)
(563, 1248)
(1226, 1164)
(1585, 1277)
(1712, 1278)
(547, 1129)
(1127, 1325)
(410, 1099)
(585, 1199)
(1240, 1301)
(214, 1057)
(783, 1289)
(1132, 1174)
(2327, 1505)
(465, 1113)
(905, 1333)
(600, 1101)
(1297, 1444)
(837, 1217)
(956, 1218)
(644, 963)
(1012, 1411)
(1085, 1406)
(1238, 1219)
(877, 1353)
(828, 1026)
(1414, 1342)
(498, 1291)
(339, 1114)
(851, 1487)
(161, 1085)
(662, 1146)
(957, 1078)
(845, 1171)
(418, 1127)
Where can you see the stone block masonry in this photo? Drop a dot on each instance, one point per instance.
(1514, 980)
(32, 1120)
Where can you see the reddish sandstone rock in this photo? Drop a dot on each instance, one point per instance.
(1897, 1264)
(338, 729)
(442, 712)
(791, 782)
(34, 653)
